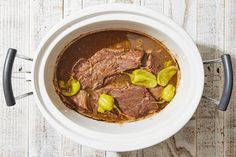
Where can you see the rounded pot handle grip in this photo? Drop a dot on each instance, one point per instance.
(228, 82)
(223, 103)
(7, 71)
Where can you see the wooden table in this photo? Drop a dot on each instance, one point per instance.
(209, 133)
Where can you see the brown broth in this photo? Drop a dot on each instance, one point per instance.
(88, 45)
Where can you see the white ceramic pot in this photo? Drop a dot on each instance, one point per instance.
(108, 136)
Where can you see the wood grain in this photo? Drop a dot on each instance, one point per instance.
(210, 39)
(157, 5)
(135, 2)
(14, 26)
(211, 23)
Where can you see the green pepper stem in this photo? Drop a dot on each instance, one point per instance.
(119, 111)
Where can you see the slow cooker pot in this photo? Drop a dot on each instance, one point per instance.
(127, 136)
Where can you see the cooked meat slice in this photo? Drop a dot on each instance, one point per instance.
(156, 92)
(81, 100)
(145, 59)
(103, 64)
(152, 64)
(154, 61)
(133, 101)
(111, 78)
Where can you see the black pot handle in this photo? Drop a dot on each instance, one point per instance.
(7, 73)
(228, 82)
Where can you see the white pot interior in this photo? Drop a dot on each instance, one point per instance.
(149, 131)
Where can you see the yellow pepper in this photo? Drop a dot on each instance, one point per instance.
(165, 75)
(144, 78)
(70, 88)
(167, 64)
(168, 93)
(62, 84)
(106, 103)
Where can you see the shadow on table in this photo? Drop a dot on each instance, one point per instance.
(184, 143)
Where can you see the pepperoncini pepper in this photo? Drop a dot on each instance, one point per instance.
(142, 77)
(165, 75)
(168, 93)
(106, 103)
(167, 64)
(70, 88)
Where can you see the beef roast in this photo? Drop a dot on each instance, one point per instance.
(156, 92)
(152, 64)
(104, 64)
(81, 100)
(133, 101)
(155, 60)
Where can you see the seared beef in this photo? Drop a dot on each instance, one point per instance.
(145, 59)
(156, 92)
(155, 60)
(81, 100)
(133, 101)
(104, 64)
(111, 78)
(152, 65)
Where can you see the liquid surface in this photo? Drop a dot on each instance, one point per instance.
(86, 46)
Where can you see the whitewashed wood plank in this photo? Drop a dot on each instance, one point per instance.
(210, 39)
(88, 3)
(135, 2)
(218, 76)
(180, 12)
(72, 6)
(112, 154)
(157, 5)
(183, 12)
(137, 153)
(90, 152)
(14, 26)
(230, 47)
(190, 18)
(43, 139)
(70, 148)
